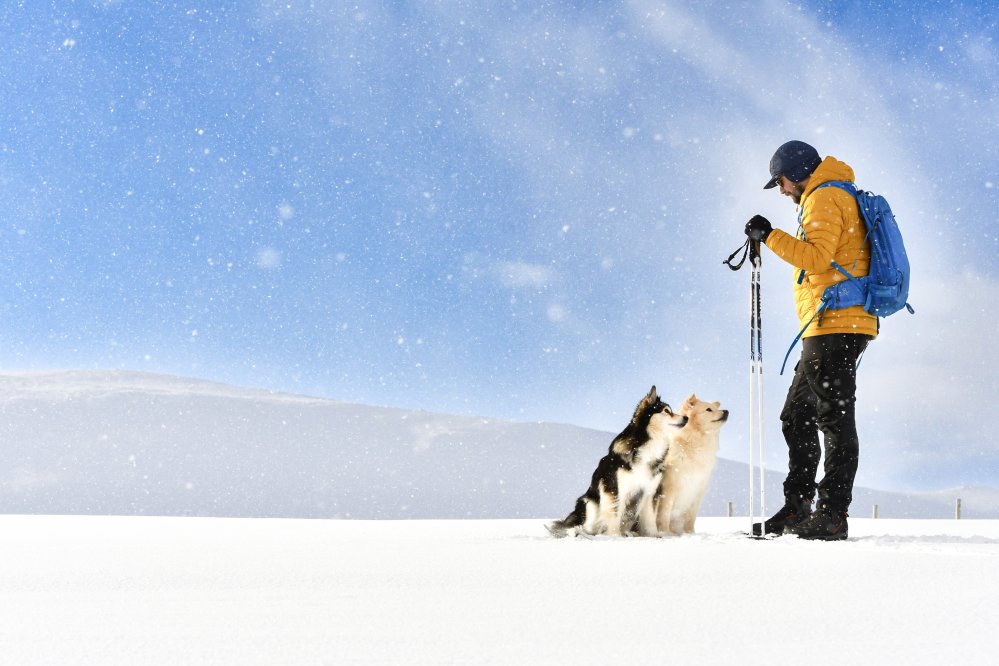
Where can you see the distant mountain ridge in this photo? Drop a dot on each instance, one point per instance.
(130, 443)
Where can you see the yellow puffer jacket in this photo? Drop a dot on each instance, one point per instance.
(831, 230)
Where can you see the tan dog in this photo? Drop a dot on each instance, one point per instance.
(688, 466)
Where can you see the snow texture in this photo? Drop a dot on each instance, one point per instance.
(142, 590)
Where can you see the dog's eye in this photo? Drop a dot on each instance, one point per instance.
(710, 410)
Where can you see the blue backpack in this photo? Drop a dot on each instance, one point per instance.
(885, 288)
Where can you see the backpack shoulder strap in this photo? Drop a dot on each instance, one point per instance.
(841, 184)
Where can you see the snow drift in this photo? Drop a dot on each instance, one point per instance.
(122, 443)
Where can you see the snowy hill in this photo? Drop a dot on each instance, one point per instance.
(122, 443)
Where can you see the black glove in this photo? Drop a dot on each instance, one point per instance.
(758, 228)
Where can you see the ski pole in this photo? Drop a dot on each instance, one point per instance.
(757, 261)
(752, 384)
(751, 249)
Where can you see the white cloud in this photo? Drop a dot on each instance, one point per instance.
(521, 275)
(268, 258)
(557, 313)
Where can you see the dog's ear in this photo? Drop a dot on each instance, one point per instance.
(650, 399)
(692, 400)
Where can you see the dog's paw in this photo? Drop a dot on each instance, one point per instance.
(560, 532)
(557, 530)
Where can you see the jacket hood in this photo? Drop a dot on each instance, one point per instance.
(830, 169)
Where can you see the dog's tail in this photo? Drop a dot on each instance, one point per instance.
(560, 528)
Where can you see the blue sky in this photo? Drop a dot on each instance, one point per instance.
(515, 210)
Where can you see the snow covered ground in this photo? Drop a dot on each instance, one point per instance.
(144, 590)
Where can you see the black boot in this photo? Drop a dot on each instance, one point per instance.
(793, 512)
(826, 524)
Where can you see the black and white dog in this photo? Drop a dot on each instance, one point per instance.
(622, 496)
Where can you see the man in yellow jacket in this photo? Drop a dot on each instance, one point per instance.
(822, 395)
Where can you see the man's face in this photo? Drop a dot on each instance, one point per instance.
(793, 190)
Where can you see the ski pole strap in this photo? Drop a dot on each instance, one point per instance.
(744, 248)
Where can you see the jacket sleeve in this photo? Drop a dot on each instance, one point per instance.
(822, 222)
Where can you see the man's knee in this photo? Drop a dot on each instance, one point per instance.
(793, 424)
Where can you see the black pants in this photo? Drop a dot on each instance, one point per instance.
(822, 397)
